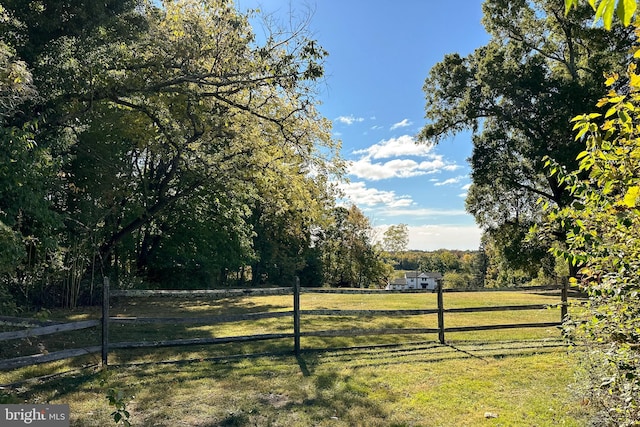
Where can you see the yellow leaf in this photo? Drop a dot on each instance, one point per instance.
(631, 196)
(611, 79)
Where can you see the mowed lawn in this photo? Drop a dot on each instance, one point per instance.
(511, 377)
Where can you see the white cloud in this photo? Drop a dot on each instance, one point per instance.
(349, 120)
(402, 124)
(433, 165)
(449, 181)
(404, 145)
(359, 194)
(398, 167)
(465, 189)
(434, 237)
(426, 213)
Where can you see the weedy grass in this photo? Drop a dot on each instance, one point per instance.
(520, 375)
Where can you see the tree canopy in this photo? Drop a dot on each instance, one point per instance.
(603, 240)
(396, 238)
(517, 94)
(161, 142)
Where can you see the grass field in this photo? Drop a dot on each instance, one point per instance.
(520, 375)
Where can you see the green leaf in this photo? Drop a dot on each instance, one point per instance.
(605, 12)
(582, 154)
(581, 133)
(625, 11)
(624, 117)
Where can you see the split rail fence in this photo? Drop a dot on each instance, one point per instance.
(36, 328)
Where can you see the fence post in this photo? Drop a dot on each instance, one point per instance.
(105, 321)
(296, 317)
(565, 303)
(440, 313)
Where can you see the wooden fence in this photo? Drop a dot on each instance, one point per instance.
(36, 328)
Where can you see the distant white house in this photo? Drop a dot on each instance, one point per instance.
(415, 280)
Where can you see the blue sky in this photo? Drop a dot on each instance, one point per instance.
(380, 52)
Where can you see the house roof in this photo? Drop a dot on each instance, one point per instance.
(419, 274)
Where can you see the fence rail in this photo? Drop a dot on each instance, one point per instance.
(17, 362)
(35, 359)
(24, 322)
(39, 328)
(211, 293)
(200, 320)
(47, 330)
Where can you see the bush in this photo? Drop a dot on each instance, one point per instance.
(603, 224)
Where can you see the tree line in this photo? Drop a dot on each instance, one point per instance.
(165, 144)
(168, 145)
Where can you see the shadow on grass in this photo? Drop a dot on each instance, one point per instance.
(428, 352)
(52, 387)
(259, 388)
(151, 307)
(303, 366)
(246, 396)
(366, 355)
(467, 353)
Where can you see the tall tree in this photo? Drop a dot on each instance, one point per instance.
(396, 238)
(517, 95)
(349, 256)
(146, 116)
(37, 63)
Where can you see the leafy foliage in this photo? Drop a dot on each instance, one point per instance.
(396, 238)
(605, 9)
(350, 258)
(157, 142)
(517, 94)
(604, 222)
(118, 400)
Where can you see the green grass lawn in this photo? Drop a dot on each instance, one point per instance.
(521, 375)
